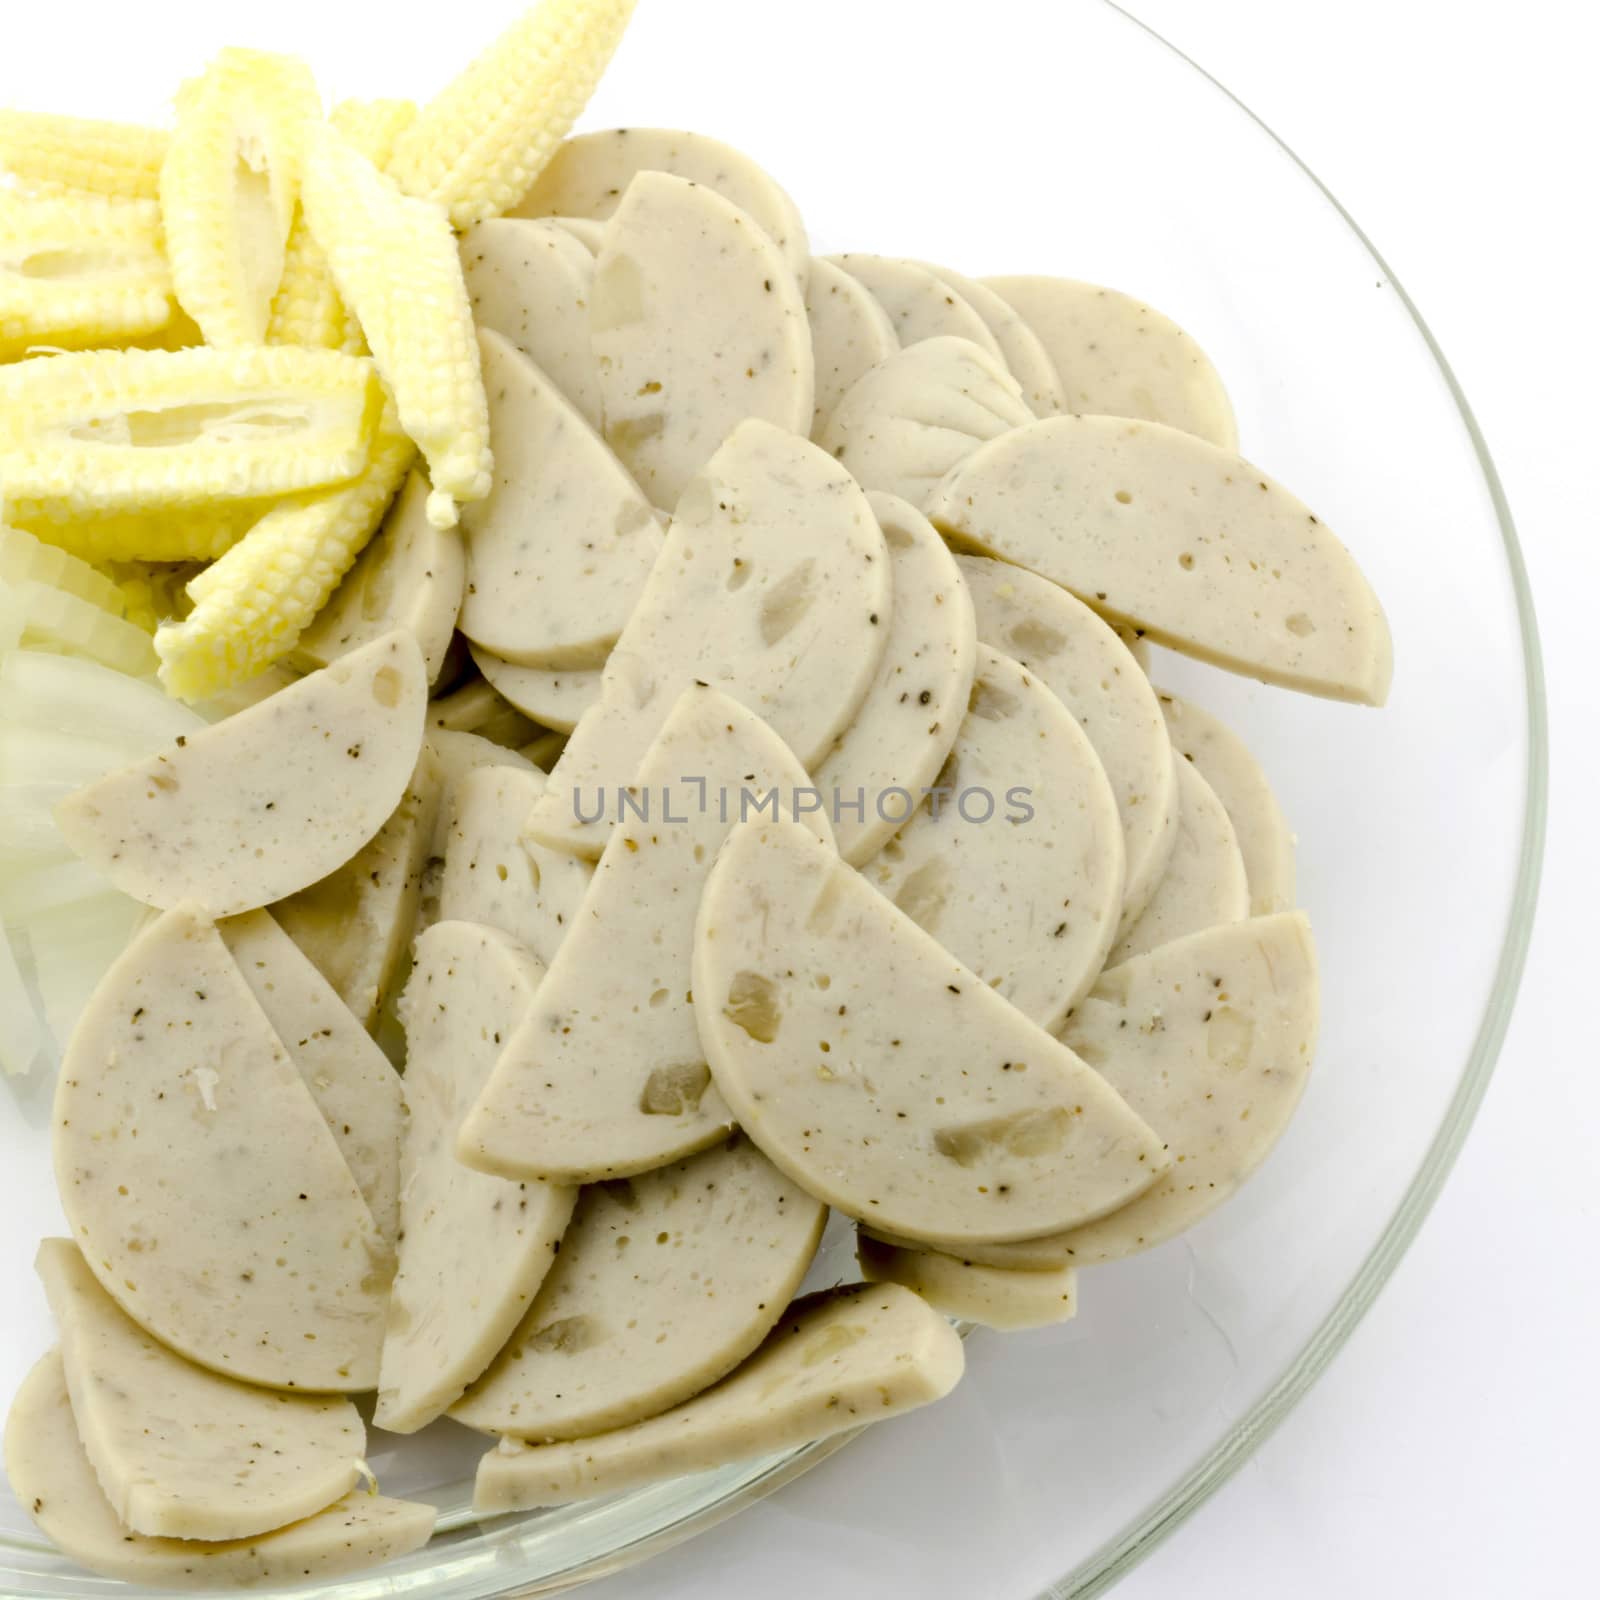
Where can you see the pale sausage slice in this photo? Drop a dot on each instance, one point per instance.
(1138, 646)
(1223, 759)
(908, 421)
(837, 1360)
(1022, 348)
(588, 176)
(459, 753)
(356, 1090)
(180, 1452)
(665, 1283)
(268, 800)
(473, 1249)
(1219, 1077)
(546, 750)
(355, 925)
(1211, 1040)
(555, 697)
(558, 552)
(1204, 884)
(900, 737)
(530, 283)
(201, 1181)
(773, 586)
(495, 876)
(850, 332)
(411, 575)
(52, 1477)
(1118, 357)
(607, 1077)
(588, 231)
(883, 1075)
(920, 304)
(1014, 863)
(969, 1291)
(1088, 668)
(478, 707)
(1158, 530)
(696, 322)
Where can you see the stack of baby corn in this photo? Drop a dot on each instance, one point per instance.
(222, 345)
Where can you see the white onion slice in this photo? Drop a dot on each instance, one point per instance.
(63, 621)
(27, 892)
(72, 948)
(41, 756)
(40, 690)
(21, 1036)
(13, 614)
(28, 824)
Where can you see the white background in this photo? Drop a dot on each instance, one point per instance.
(1449, 1448)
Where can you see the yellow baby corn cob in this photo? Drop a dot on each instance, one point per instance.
(398, 268)
(252, 606)
(113, 432)
(152, 592)
(228, 188)
(139, 601)
(65, 153)
(477, 148)
(80, 271)
(180, 333)
(307, 309)
(167, 533)
(374, 127)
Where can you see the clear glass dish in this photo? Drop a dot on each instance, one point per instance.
(1095, 150)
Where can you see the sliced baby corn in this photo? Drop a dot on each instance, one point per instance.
(477, 148)
(59, 153)
(109, 432)
(164, 533)
(80, 271)
(307, 309)
(257, 605)
(251, 606)
(152, 592)
(228, 187)
(374, 127)
(398, 268)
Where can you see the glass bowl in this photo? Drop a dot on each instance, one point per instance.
(1070, 139)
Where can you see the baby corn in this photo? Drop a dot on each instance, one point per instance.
(152, 592)
(244, 266)
(477, 148)
(201, 532)
(116, 432)
(398, 268)
(75, 153)
(251, 606)
(374, 127)
(80, 271)
(307, 309)
(228, 187)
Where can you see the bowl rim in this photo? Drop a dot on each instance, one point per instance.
(1117, 1557)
